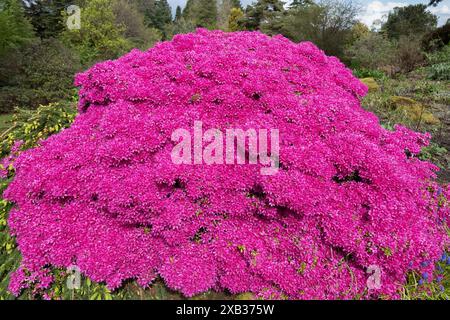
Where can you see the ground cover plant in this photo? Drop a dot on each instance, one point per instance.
(350, 195)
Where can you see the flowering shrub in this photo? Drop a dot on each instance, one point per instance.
(105, 196)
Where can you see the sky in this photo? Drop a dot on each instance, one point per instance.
(372, 9)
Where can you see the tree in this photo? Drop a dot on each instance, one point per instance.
(101, 37)
(46, 16)
(224, 12)
(15, 28)
(159, 14)
(42, 72)
(434, 3)
(182, 25)
(236, 4)
(236, 15)
(437, 38)
(300, 3)
(178, 13)
(371, 51)
(189, 8)
(143, 5)
(128, 15)
(410, 20)
(359, 30)
(264, 15)
(304, 23)
(328, 24)
(207, 13)
(203, 13)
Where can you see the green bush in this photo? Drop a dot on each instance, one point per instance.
(435, 154)
(440, 71)
(437, 38)
(369, 73)
(39, 74)
(30, 126)
(371, 52)
(439, 61)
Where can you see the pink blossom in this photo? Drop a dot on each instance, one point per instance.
(105, 196)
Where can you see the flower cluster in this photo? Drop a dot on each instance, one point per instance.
(105, 196)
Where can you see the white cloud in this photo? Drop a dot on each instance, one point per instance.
(377, 10)
(442, 11)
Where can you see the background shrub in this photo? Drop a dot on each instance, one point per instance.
(42, 73)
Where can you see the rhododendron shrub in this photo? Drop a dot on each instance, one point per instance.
(350, 196)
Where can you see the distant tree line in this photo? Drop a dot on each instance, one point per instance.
(39, 55)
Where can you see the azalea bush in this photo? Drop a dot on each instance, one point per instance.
(350, 197)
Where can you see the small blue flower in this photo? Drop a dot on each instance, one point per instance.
(440, 269)
(425, 264)
(441, 287)
(444, 257)
(448, 261)
(425, 275)
(439, 278)
(439, 191)
(420, 282)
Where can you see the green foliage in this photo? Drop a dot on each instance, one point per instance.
(179, 27)
(440, 71)
(412, 20)
(202, 13)
(15, 28)
(406, 102)
(264, 15)
(369, 73)
(178, 13)
(439, 61)
(129, 16)
(300, 3)
(42, 72)
(359, 31)
(100, 37)
(417, 288)
(224, 14)
(435, 154)
(302, 23)
(158, 15)
(329, 24)
(5, 121)
(376, 51)
(234, 19)
(437, 38)
(372, 51)
(46, 16)
(9, 255)
(30, 126)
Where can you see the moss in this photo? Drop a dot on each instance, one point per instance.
(371, 84)
(414, 110)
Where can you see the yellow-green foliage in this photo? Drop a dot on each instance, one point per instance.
(245, 296)
(371, 84)
(30, 126)
(414, 110)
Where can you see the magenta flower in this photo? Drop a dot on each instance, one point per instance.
(105, 196)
